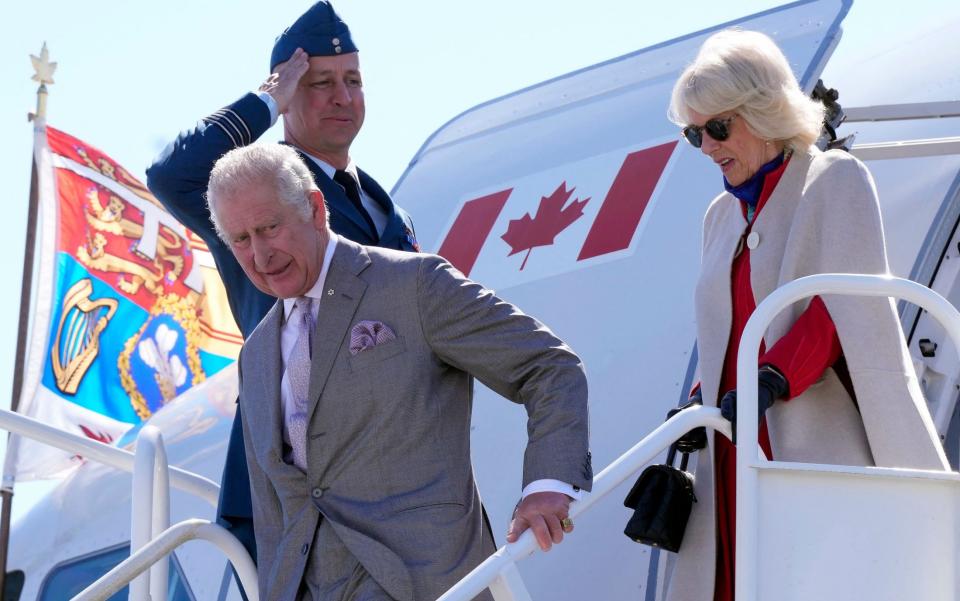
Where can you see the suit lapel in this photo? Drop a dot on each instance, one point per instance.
(337, 199)
(394, 228)
(263, 404)
(342, 293)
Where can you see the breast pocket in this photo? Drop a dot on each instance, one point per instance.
(372, 356)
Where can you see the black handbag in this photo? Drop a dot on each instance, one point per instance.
(662, 498)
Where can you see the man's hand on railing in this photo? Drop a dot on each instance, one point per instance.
(546, 513)
(695, 439)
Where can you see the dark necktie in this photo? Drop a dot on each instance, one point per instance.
(352, 188)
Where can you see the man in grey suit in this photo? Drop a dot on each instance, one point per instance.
(356, 392)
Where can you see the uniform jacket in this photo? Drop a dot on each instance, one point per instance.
(823, 217)
(388, 439)
(179, 179)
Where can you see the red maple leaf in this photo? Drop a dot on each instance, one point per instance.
(552, 218)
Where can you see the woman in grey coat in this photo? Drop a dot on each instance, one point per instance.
(836, 384)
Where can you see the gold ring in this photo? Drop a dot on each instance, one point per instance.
(566, 523)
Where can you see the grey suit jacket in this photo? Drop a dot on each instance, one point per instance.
(389, 429)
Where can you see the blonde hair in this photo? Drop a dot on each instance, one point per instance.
(746, 73)
(248, 166)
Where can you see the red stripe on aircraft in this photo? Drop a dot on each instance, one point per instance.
(470, 230)
(623, 207)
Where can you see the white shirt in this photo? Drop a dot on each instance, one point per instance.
(288, 335)
(376, 212)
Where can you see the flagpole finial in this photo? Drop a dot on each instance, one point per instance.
(43, 73)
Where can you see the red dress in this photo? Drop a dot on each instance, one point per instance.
(809, 347)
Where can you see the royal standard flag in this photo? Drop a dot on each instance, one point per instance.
(128, 312)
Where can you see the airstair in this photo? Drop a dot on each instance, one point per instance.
(804, 531)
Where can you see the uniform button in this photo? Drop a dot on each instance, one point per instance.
(753, 240)
(304, 549)
(317, 493)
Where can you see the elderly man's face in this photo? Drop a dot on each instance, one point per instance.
(328, 108)
(279, 250)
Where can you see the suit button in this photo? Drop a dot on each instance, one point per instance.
(304, 549)
(317, 493)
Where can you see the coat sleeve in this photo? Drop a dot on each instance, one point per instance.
(179, 177)
(807, 349)
(471, 329)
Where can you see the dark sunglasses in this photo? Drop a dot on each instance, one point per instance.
(718, 129)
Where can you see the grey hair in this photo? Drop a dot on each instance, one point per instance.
(248, 166)
(746, 73)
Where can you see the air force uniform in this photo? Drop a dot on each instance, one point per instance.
(179, 178)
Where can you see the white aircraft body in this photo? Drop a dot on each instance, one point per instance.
(616, 283)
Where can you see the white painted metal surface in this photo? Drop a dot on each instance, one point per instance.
(827, 532)
(159, 548)
(150, 512)
(625, 466)
(899, 112)
(907, 149)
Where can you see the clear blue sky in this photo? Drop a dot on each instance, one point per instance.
(130, 75)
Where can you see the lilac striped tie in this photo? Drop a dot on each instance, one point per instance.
(298, 372)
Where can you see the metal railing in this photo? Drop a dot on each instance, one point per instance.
(121, 459)
(151, 537)
(161, 546)
(150, 510)
(495, 573)
(748, 463)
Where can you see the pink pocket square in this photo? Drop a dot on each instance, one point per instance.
(367, 334)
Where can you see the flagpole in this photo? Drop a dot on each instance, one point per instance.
(43, 74)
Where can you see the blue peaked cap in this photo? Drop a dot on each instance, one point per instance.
(320, 32)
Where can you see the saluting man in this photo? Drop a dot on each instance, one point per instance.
(316, 84)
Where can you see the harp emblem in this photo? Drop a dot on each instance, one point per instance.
(77, 342)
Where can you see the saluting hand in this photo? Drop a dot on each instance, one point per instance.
(282, 84)
(544, 512)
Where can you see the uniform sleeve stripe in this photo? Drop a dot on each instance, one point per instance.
(224, 117)
(225, 130)
(239, 120)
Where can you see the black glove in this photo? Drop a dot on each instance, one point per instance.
(771, 385)
(695, 439)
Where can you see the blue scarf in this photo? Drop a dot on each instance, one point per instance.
(749, 191)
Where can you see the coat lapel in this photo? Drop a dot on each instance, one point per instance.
(342, 293)
(395, 225)
(333, 193)
(263, 400)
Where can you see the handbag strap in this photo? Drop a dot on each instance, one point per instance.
(672, 455)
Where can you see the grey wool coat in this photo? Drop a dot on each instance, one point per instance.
(823, 217)
(388, 438)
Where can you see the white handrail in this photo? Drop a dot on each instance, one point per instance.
(163, 545)
(150, 511)
(747, 359)
(611, 477)
(91, 449)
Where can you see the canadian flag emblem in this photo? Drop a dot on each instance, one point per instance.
(557, 220)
